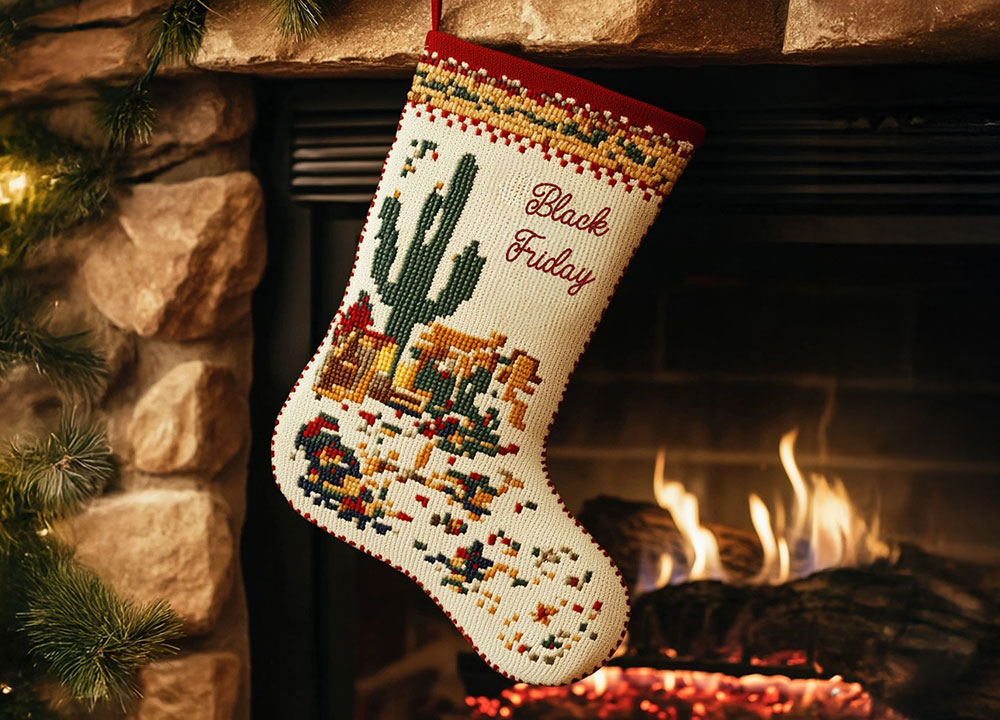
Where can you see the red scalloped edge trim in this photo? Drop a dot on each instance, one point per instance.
(538, 79)
(545, 466)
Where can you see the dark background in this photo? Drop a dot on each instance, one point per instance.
(827, 262)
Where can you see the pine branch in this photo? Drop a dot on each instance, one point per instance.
(125, 114)
(60, 474)
(180, 31)
(11, 533)
(92, 641)
(297, 19)
(69, 361)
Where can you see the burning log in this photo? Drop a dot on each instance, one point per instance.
(640, 535)
(920, 634)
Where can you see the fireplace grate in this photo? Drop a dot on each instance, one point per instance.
(869, 152)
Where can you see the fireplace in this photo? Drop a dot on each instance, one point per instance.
(784, 430)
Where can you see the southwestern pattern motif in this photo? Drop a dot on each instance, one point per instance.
(449, 391)
(578, 132)
(435, 399)
(436, 396)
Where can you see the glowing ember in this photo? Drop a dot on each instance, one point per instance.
(677, 695)
(822, 530)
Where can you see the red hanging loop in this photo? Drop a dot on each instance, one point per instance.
(435, 14)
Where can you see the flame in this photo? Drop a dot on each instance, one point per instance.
(822, 530)
(701, 545)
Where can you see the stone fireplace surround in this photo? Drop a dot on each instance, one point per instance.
(165, 276)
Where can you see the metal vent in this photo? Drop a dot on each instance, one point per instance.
(890, 159)
(916, 155)
(337, 156)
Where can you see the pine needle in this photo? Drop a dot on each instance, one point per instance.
(78, 189)
(126, 114)
(297, 19)
(91, 640)
(60, 474)
(180, 31)
(70, 361)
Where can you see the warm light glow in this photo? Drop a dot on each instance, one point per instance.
(13, 185)
(666, 570)
(17, 183)
(822, 530)
(600, 681)
(669, 694)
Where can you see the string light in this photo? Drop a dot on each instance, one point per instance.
(13, 186)
(18, 182)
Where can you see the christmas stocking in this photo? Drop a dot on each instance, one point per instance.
(509, 206)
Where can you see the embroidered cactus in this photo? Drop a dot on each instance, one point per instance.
(407, 295)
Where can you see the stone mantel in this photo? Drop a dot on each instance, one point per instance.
(109, 38)
(375, 37)
(363, 37)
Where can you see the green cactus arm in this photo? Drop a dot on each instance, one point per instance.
(427, 214)
(461, 281)
(408, 295)
(385, 252)
(458, 193)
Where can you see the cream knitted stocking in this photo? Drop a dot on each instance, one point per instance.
(509, 206)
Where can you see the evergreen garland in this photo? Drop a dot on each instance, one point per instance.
(62, 473)
(57, 619)
(74, 626)
(125, 114)
(52, 610)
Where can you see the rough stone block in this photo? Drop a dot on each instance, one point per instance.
(876, 30)
(192, 419)
(203, 686)
(165, 544)
(180, 260)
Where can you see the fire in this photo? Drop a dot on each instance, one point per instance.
(703, 556)
(822, 530)
(614, 692)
